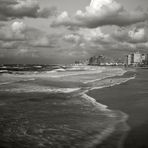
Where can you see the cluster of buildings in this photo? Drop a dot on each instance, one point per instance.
(137, 59)
(133, 59)
(99, 60)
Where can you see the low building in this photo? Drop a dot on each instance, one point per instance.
(145, 59)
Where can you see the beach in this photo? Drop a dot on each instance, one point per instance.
(62, 108)
(131, 98)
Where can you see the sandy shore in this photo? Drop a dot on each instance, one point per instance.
(130, 98)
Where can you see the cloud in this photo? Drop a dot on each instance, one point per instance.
(100, 13)
(119, 41)
(88, 37)
(133, 34)
(23, 8)
(2, 25)
(19, 34)
(73, 38)
(14, 32)
(18, 27)
(137, 34)
(8, 45)
(24, 52)
(93, 34)
(44, 41)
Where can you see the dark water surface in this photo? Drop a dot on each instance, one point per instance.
(39, 110)
(36, 112)
(131, 98)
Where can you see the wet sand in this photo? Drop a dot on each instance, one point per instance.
(131, 98)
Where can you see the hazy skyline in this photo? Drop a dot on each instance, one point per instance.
(60, 31)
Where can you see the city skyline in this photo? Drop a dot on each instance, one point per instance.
(47, 31)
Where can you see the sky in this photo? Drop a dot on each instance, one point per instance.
(62, 31)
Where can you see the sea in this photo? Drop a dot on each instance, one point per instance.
(56, 106)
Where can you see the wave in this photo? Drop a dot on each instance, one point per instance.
(40, 89)
(3, 71)
(16, 81)
(59, 75)
(82, 67)
(111, 128)
(120, 73)
(94, 102)
(5, 83)
(99, 138)
(123, 80)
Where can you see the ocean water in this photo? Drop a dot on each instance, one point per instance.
(49, 106)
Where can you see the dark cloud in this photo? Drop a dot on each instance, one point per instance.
(11, 9)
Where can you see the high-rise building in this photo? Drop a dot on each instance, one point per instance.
(137, 58)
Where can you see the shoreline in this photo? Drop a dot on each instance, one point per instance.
(120, 97)
(112, 129)
(109, 131)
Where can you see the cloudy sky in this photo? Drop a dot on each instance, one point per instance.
(60, 31)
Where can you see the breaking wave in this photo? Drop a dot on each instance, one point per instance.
(119, 81)
(40, 89)
(122, 117)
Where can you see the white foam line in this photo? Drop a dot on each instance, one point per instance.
(111, 128)
(82, 73)
(90, 81)
(45, 90)
(94, 102)
(118, 83)
(5, 83)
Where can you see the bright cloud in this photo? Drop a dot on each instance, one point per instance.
(100, 13)
(137, 34)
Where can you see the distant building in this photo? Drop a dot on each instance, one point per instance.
(101, 60)
(96, 60)
(145, 59)
(130, 59)
(82, 62)
(137, 58)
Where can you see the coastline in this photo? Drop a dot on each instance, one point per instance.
(102, 139)
(117, 97)
(113, 130)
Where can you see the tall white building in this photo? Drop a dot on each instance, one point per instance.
(137, 58)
